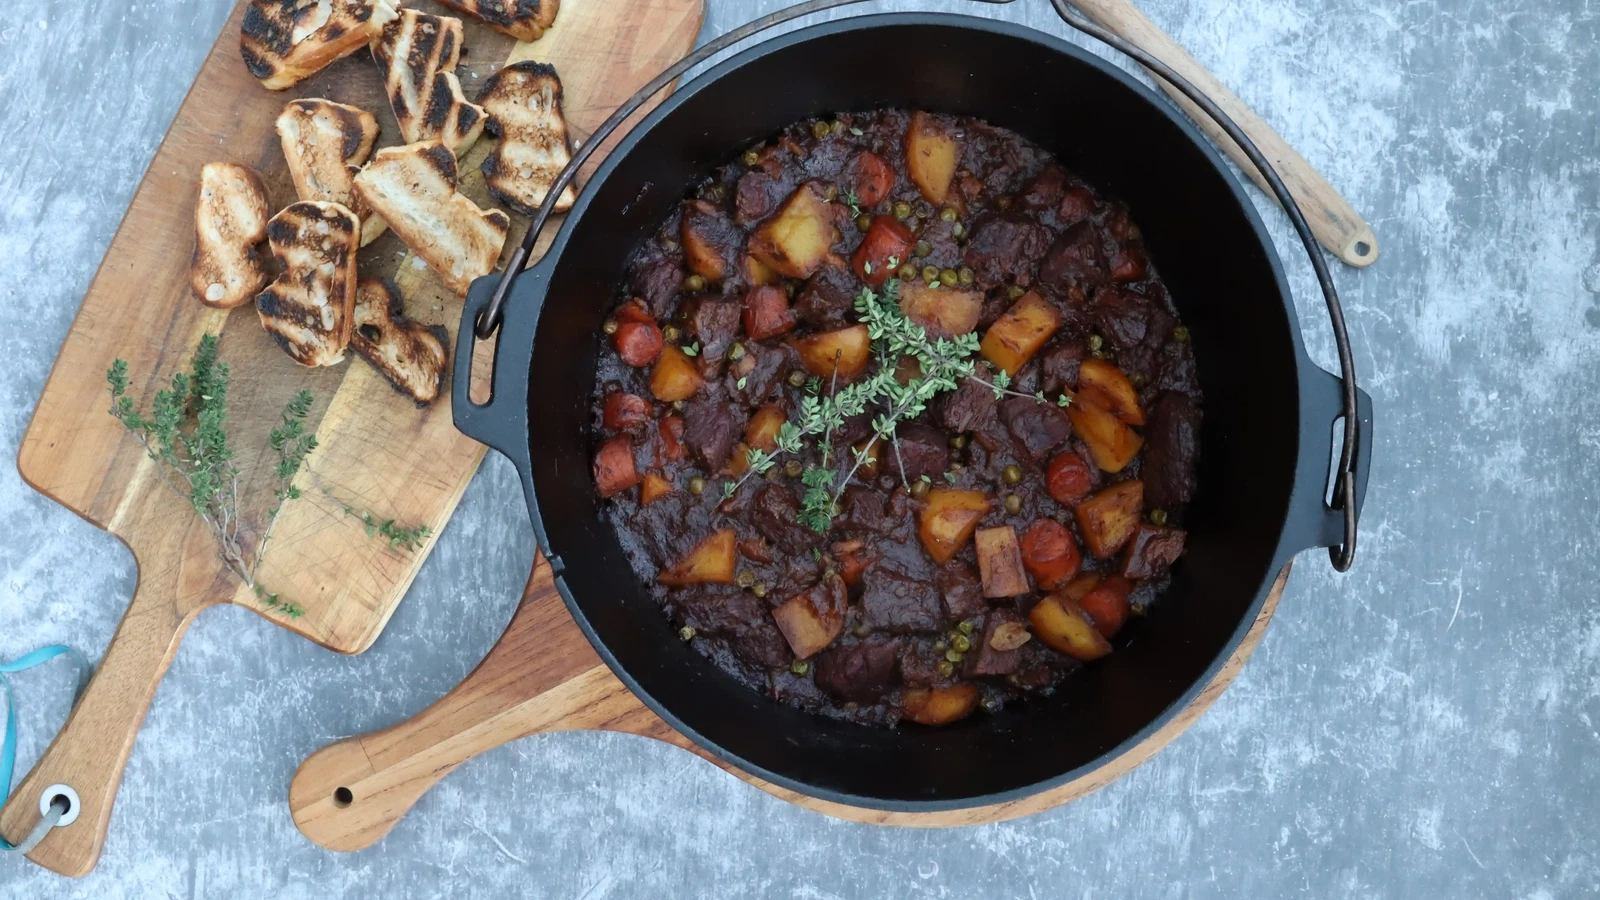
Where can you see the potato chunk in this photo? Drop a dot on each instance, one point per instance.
(811, 620)
(847, 349)
(796, 240)
(708, 236)
(710, 562)
(654, 488)
(1064, 627)
(939, 706)
(761, 432)
(942, 312)
(1000, 562)
(1111, 442)
(675, 376)
(931, 156)
(1016, 336)
(1109, 518)
(1117, 394)
(757, 273)
(948, 519)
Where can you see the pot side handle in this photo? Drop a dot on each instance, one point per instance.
(501, 421)
(1313, 521)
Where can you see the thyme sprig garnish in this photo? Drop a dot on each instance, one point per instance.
(944, 363)
(186, 434)
(399, 536)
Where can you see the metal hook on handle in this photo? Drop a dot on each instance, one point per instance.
(489, 319)
(1341, 556)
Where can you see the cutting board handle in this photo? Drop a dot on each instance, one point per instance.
(542, 675)
(92, 748)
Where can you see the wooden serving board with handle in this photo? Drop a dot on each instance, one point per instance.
(378, 452)
(543, 675)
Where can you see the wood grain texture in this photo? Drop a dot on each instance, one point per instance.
(1333, 220)
(543, 675)
(378, 451)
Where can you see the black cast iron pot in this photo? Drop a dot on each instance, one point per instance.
(1265, 451)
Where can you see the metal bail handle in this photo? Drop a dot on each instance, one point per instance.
(1344, 485)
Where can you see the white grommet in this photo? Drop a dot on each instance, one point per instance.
(61, 790)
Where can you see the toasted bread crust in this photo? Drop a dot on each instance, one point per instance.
(307, 309)
(414, 189)
(419, 54)
(286, 41)
(230, 219)
(325, 144)
(525, 20)
(523, 101)
(408, 354)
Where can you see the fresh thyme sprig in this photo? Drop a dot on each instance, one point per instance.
(186, 434)
(401, 536)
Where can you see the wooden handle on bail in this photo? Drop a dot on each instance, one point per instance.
(1332, 219)
(90, 752)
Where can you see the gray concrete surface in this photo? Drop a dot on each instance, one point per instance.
(1424, 727)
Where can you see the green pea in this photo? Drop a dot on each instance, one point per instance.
(751, 157)
(966, 627)
(949, 276)
(1013, 504)
(799, 667)
(797, 378)
(820, 128)
(1158, 516)
(958, 231)
(719, 192)
(961, 643)
(1096, 342)
(953, 655)
(1012, 474)
(736, 352)
(930, 273)
(946, 668)
(1015, 292)
(919, 490)
(941, 645)
(760, 589)
(668, 244)
(965, 276)
(609, 326)
(902, 210)
(864, 222)
(793, 468)
(922, 249)
(697, 485)
(907, 272)
(686, 633)
(745, 579)
(694, 283)
(671, 333)
(1180, 334)
(948, 214)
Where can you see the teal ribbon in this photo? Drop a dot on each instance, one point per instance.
(8, 749)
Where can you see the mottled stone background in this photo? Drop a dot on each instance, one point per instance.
(1423, 727)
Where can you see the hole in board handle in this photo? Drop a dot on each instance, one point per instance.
(342, 797)
(1362, 248)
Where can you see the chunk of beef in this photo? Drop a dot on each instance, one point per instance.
(762, 369)
(712, 243)
(1075, 260)
(714, 323)
(895, 602)
(961, 590)
(738, 617)
(862, 511)
(656, 279)
(711, 426)
(1045, 190)
(1171, 444)
(1059, 367)
(1175, 368)
(757, 196)
(986, 659)
(1152, 551)
(858, 672)
(1134, 325)
(919, 664)
(775, 514)
(1006, 246)
(1077, 202)
(922, 450)
(970, 407)
(828, 299)
(1037, 427)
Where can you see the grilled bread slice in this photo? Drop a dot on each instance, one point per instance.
(414, 188)
(307, 310)
(419, 53)
(410, 355)
(525, 20)
(230, 219)
(325, 144)
(523, 101)
(286, 41)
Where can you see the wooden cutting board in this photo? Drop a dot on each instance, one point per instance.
(543, 675)
(378, 452)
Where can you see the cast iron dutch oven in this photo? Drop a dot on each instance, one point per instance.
(1265, 444)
